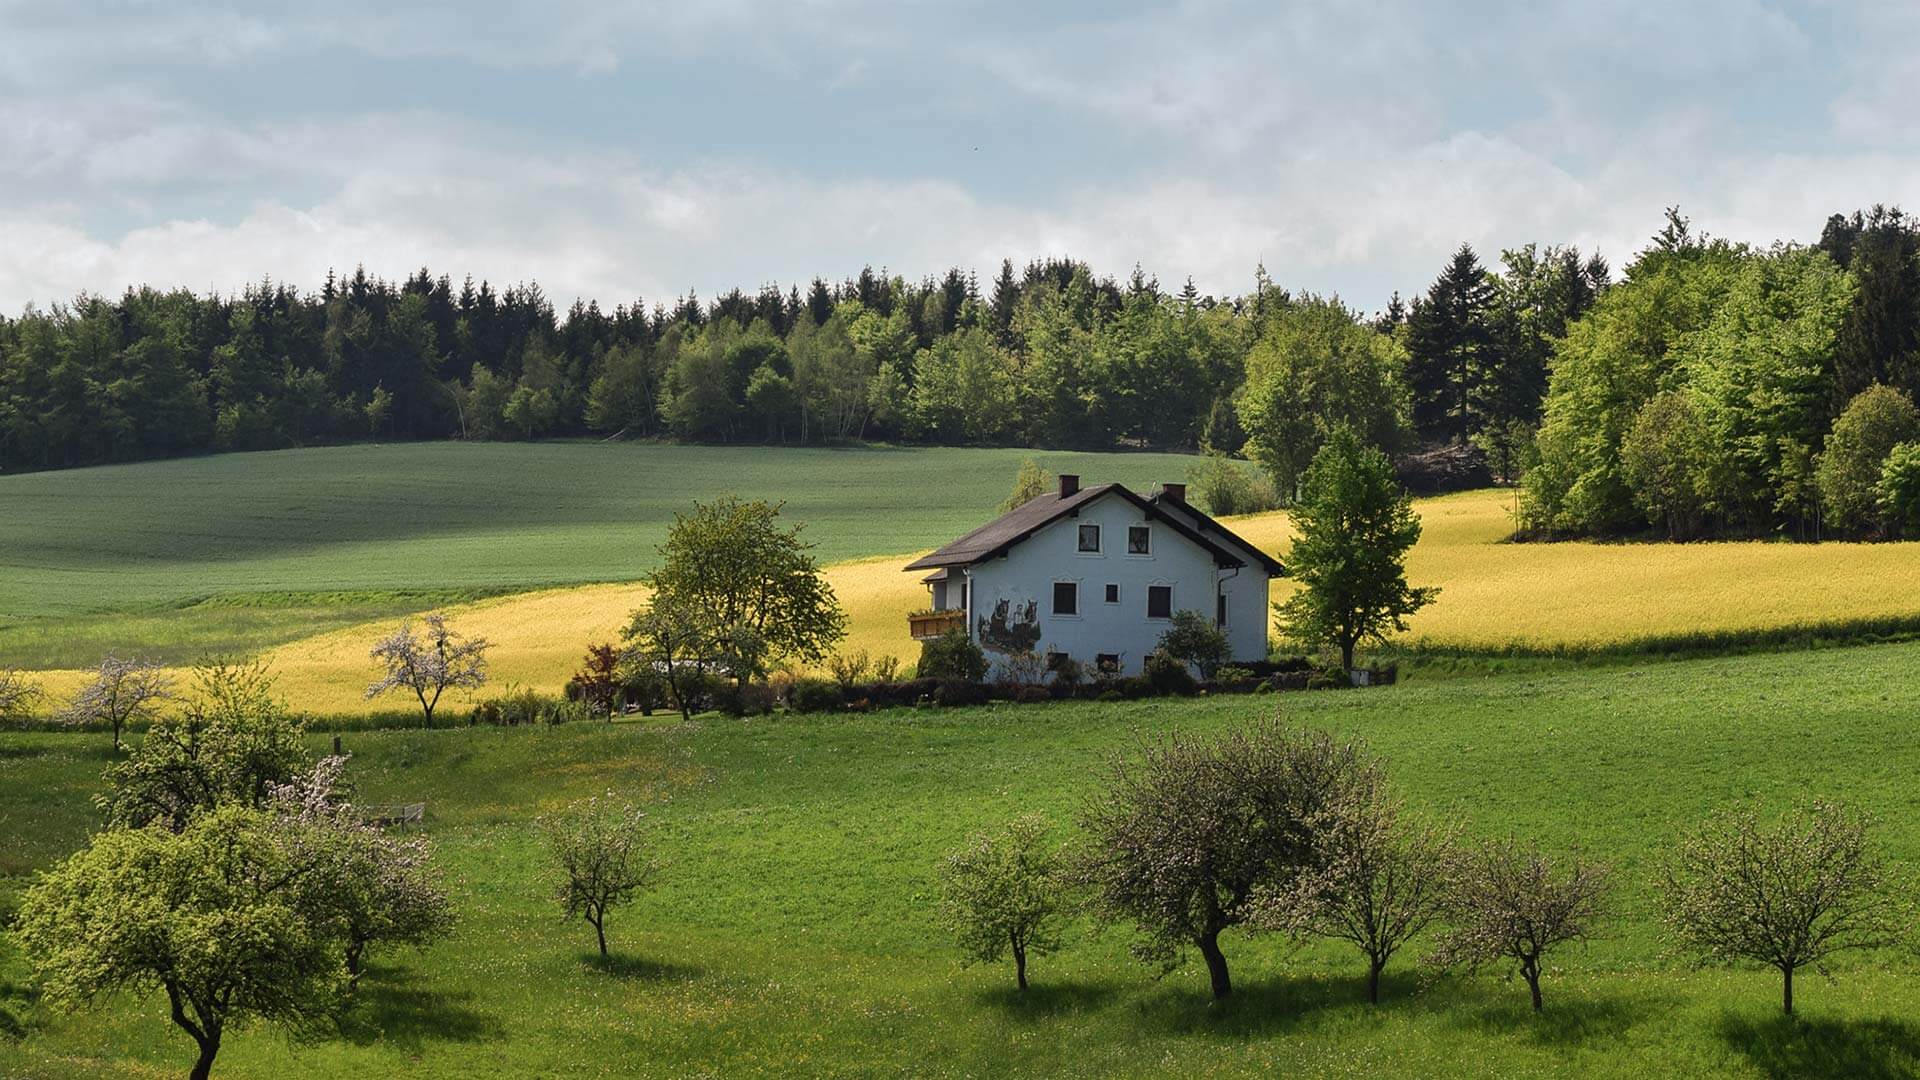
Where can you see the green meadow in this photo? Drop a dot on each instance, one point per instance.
(792, 931)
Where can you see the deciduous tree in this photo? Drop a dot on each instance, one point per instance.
(1381, 881)
(123, 691)
(1183, 839)
(430, 662)
(212, 916)
(600, 848)
(1510, 902)
(1354, 525)
(756, 584)
(1001, 892)
(18, 696)
(1788, 897)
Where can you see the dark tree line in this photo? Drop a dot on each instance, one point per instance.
(1696, 393)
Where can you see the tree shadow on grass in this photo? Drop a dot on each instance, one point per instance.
(1784, 1046)
(622, 966)
(1266, 1007)
(1045, 999)
(391, 1006)
(1569, 1018)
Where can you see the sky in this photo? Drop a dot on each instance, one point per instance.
(621, 151)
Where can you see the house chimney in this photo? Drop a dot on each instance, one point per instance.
(1175, 492)
(1069, 484)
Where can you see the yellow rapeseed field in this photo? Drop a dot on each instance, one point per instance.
(1493, 595)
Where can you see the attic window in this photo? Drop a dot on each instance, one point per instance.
(1139, 540)
(1090, 538)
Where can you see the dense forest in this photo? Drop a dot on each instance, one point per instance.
(1696, 394)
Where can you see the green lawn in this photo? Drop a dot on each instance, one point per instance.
(347, 529)
(791, 933)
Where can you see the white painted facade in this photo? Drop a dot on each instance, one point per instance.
(1112, 587)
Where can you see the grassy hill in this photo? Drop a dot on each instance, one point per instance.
(241, 551)
(792, 933)
(309, 555)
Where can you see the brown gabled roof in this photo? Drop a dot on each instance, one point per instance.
(1208, 524)
(997, 536)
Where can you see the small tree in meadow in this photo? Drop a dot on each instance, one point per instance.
(429, 663)
(18, 696)
(1030, 483)
(372, 887)
(1788, 897)
(1355, 525)
(598, 680)
(234, 743)
(1194, 640)
(1509, 902)
(122, 692)
(1002, 893)
(1185, 839)
(1382, 879)
(600, 847)
(850, 669)
(213, 916)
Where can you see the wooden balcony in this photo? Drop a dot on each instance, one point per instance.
(927, 625)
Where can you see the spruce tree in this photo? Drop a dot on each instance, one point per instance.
(1450, 347)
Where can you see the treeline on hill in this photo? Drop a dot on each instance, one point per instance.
(1707, 392)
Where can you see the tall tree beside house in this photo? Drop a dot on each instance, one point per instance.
(1354, 526)
(1450, 349)
(753, 581)
(1317, 367)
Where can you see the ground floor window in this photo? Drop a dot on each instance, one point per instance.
(1159, 601)
(1220, 610)
(1057, 660)
(1107, 663)
(1066, 598)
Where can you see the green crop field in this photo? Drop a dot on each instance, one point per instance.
(791, 932)
(295, 542)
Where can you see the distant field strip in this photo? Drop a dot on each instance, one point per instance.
(1495, 596)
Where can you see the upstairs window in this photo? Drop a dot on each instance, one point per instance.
(1139, 540)
(1159, 601)
(1090, 538)
(1113, 593)
(1066, 598)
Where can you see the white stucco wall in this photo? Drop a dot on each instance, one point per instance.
(1028, 573)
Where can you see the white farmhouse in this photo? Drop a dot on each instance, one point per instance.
(1095, 574)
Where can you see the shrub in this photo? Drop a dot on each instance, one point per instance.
(1023, 669)
(1195, 640)
(1032, 695)
(816, 696)
(850, 669)
(952, 655)
(1221, 487)
(1850, 467)
(751, 699)
(1232, 675)
(958, 692)
(886, 669)
(1167, 674)
(1068, 672)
